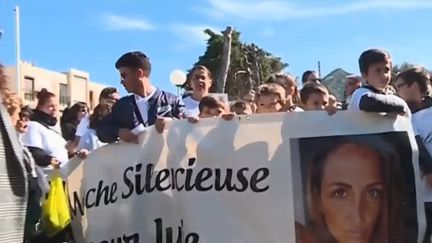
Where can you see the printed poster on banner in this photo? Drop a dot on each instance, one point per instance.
(294, 178)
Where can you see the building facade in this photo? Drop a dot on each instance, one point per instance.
(70, 87)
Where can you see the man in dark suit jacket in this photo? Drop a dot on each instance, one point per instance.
(147, 105)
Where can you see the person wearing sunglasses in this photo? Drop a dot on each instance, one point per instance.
(108, 96)
(71, 118)
(146, 106)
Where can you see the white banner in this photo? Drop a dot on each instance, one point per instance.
(294, 177)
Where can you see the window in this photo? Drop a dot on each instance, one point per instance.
(29, 93)
(91, 99)
(64, 98)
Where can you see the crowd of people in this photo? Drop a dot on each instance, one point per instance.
(32, 146)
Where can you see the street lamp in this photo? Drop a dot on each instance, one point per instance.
(178, 78)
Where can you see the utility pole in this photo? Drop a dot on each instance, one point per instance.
(225, 62)
(319, 69)
(18, 50)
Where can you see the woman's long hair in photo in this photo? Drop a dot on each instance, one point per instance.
(387, 228)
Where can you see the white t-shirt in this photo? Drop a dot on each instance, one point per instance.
(192, 106)
(354, 103)
(83, 126)
(143, 105)
(297, 109)
(90, 141)
(422, 125)
(48, 140)
(348, 101)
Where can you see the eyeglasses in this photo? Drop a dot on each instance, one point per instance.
(111, 100)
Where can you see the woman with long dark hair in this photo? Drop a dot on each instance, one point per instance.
(352, 193)
(71, 118)
(89, 140)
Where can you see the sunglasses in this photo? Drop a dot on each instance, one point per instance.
(24, 117)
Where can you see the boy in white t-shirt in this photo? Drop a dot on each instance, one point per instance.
(200, 79)
(375, 67)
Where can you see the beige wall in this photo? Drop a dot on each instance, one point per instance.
(75, 83)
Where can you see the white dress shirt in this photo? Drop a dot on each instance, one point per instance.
(143, 105)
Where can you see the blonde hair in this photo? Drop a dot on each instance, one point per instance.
(12, 102)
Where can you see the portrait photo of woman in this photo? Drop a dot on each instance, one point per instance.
(357, 189)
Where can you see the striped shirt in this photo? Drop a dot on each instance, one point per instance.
(13, 183)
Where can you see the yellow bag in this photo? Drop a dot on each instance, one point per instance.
(55, 207)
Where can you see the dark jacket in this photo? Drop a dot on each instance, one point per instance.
(379, 101)
(125, 114)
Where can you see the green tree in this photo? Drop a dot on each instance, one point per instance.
(250, 65)
(400, 68)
